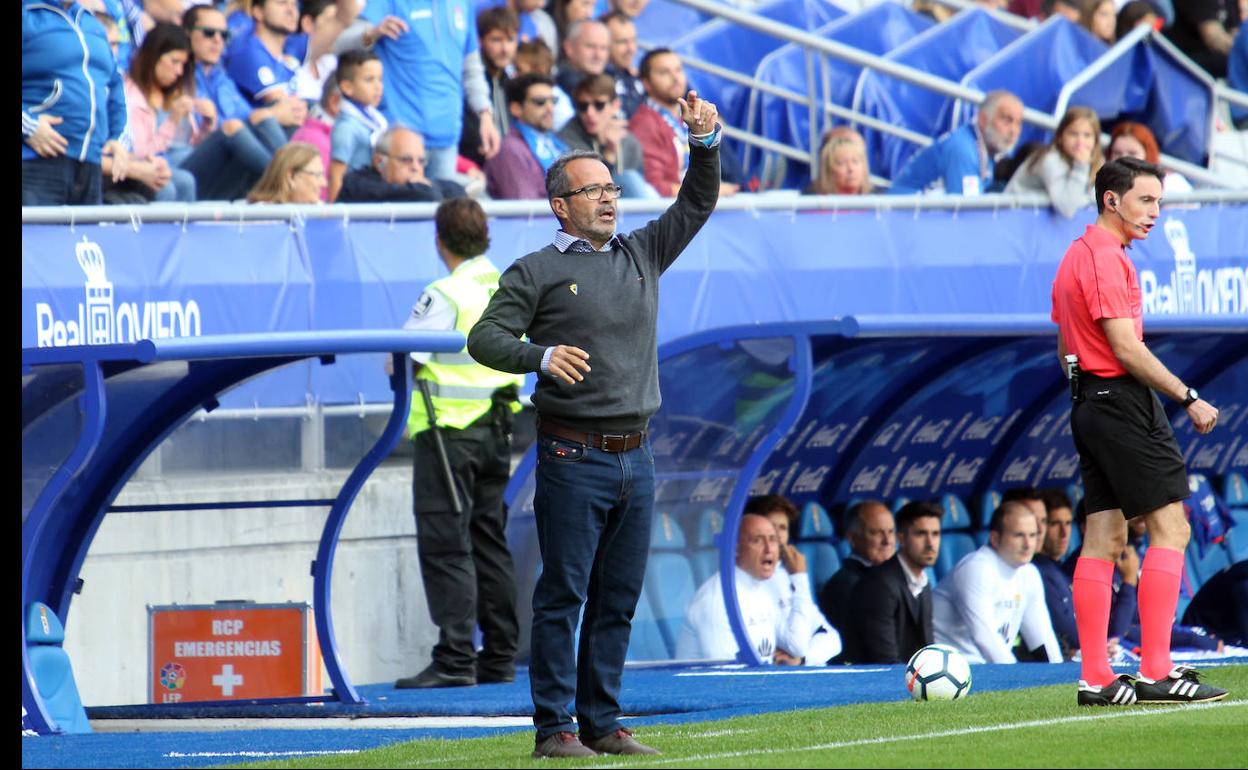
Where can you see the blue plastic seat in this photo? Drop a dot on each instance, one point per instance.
(953, 546)
(899, 503)
(814, 523)
(955, 517)
(646, 642)
(669, 586)
(51, 669)
(822, 562)
(987, 504)
(666, 534)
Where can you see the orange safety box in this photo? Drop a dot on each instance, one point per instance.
(232, 651)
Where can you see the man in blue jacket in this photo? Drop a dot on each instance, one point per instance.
(962, 161)
(73, 108)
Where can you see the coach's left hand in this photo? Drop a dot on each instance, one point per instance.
(699, 114)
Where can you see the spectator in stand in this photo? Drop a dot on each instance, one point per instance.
(1205, 31)
(296, 175)
(585, 50)
(568, 12)
(397, 173)
(1066, 169)
(961, 162)
(496, 30)
(842, 168)
(260, 63)
(790, 582)
(621, 61)
(323, 22)
(1135, 13)
(430, 70)
(111, 31)
(1135, 140)
(1237, 78)
(128, 19)
(657, 125)
(1099, 18)
(934, 10)
(535, 23)
(871, 532)
(630, 8)
(785, 636)
(599, 126)
(891, 608)
(166, 120)
(359, 122)
(73, 108)
(1043, 9)
(995, 592)
(535, 58)
(518, 171)
(319, 126)
(248, 137)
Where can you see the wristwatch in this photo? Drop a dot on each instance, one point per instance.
(1191, 397)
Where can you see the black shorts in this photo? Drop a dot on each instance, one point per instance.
(1127, 450)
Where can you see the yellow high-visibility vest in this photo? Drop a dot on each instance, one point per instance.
(461, 388)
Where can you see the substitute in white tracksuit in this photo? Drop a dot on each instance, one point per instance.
(994, 592)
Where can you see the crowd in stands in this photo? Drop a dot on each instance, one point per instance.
(129, 101)
(1008, 601)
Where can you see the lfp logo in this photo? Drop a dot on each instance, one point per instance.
(101, 320)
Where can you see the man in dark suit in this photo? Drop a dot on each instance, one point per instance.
(873, 541)
(891, 610)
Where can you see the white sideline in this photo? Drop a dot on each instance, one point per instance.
(257, 754)
(216, 725)
(1139, 712)
(786, 672)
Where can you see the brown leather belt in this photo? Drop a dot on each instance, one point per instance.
(607, 442)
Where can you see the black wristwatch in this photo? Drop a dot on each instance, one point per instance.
(1191, 397)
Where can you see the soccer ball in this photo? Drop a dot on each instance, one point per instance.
(938, 672)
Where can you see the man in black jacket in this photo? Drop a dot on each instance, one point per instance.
(872, 540)
(592, 295)
(892, 607)
(397, 173)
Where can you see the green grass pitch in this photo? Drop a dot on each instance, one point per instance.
(1037, 727)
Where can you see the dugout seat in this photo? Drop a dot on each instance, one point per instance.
(669, 584)
(987, 504)
(51, 670)
(953, 546)
(706, 549)
(646, 641)
(956, 517)
(814, 540)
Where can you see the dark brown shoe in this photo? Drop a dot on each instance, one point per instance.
(619, 742)
(561, 745)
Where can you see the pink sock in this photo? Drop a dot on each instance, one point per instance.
(1159, 596)
(1093, 591)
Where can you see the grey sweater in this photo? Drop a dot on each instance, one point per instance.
(605, 303)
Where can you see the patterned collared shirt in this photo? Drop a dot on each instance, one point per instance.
(566, 242)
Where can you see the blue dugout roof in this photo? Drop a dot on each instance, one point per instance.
(91, 414)
(885, 407)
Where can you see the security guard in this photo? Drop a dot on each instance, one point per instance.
(462, 463)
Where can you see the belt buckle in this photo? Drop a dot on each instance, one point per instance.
(621, 437)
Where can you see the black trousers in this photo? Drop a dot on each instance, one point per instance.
(464, 561)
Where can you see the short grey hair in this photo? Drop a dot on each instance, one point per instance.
(993, 100)
(574, 29)
(856, 513)
(557, 184)
(382, 147)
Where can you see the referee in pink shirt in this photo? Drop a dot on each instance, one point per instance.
(1128, 455)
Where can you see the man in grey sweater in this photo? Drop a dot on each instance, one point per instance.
(592, 294)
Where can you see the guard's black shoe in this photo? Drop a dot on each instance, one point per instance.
(1119, 692)
(495, 677)
(1183, 685)
(432, 677)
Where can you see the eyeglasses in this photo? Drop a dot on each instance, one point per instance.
(540, 101)
(595, 191)
(212, 32)
(317, 173)
(597, 104)
(409, 160)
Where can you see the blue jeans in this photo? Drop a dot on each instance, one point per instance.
(60, 181)
(226, 167)
(441, 162)
(593, 511)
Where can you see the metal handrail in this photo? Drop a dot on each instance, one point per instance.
(236, 214)
(811, 42)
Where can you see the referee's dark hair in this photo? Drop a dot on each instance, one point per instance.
(915, 510)
(1118, 176)
(765, 504)
(462, 227)
(997, 524)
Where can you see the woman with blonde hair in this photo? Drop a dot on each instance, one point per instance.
(1066, 169)
(842, 167)
(296, 175)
